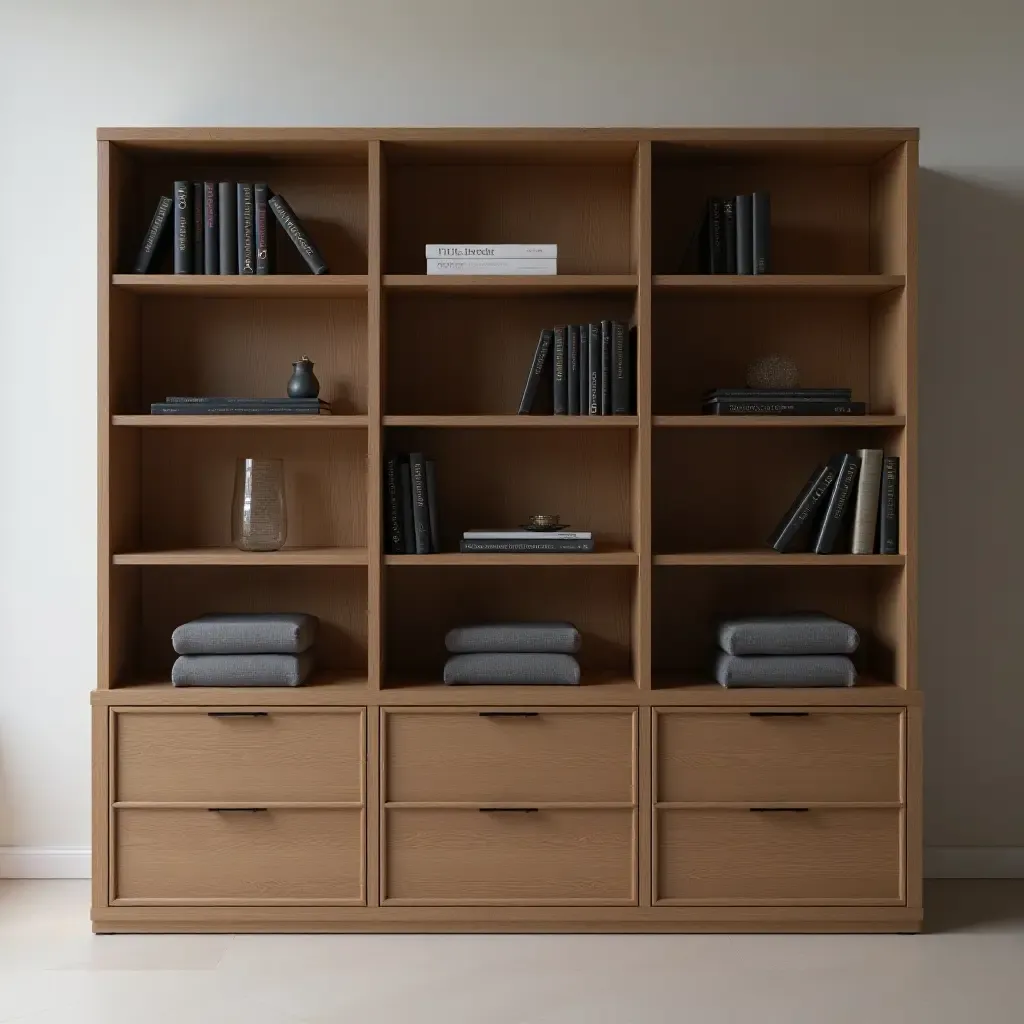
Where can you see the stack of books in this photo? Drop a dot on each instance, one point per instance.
(587, 369)
(185, 406)
(522, 541)
(852, 503)
(735, 235)
(781, 402)
(492, 259)
(410, 503)
(223, 227)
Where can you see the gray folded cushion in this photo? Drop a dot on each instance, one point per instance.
(787, 634)
(242, 669)
(808, 670)
(515, 638)
(258, 633)
(513, 669)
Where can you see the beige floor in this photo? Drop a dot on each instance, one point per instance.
(968, 970)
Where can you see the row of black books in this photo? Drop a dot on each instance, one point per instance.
(583, 370)
(527, 541)
(852, 503)
(177, 405)
(735, 235)
(223, 227)
(410, 505)
(781, 402)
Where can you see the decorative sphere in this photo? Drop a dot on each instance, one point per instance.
(774, 371)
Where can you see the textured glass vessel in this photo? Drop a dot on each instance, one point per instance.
(259, 516)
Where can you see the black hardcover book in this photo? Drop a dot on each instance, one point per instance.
(246, 229)
(297, 233)
(779, 394)
(716, 237)
(606, 367)
(235, 409)
(889, 507)
(594, 370)
(526, 546)
(584, 369)
(633, 340)
(211, 229)
(761, 219)
(745, 234)
(183, 227)
(801, 512)
(537, 371)
(393, 521)
(198, 231)
(405, 499)
(154, 236)
(264, 229)
(790, 407)
(432, 514)
(561, 370)
(308, 403)
(574, 369)
(729, 233)
(420, 507)
(622, 375)
(227, 224)
(837, 508)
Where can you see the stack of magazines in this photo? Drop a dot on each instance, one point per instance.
(184, 406)
(521, 541)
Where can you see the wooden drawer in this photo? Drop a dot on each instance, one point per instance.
(222, 754)
(465, 856)
(740, 856)
(833, 756)
(490, 754)
(276, 856)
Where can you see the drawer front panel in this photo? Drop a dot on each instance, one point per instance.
(848, 855)
(827, 756)
(222, 755)
(489, 754)
(450, 857)
(207, 857)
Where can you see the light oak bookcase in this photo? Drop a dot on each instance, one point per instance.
(375, 798)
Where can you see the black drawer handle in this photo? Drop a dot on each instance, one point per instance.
(509, 810)
(237, 810)
(237, 714)
(779, 810)
(779, 714)
(508, 714)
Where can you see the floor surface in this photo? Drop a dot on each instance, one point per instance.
(969, 969)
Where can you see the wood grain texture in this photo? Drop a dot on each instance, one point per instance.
(511, 285)
(606, 554)
(777, 422)
(282, 755)
(102, 759)
(546, 755)
(839, 285)
(768, 557)
(514, 422)
(914, 797)
(286, 286)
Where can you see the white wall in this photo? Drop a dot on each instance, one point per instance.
(953, 68)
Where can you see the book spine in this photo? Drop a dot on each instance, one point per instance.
(530, 535)
(716, 237)
(584, 399)
(405, 497)
(246, 230)
(594, 369)
(807, 407)
(198, 228)
(536, 375)
(836, 509)
(173, 409)
(561, 370)
(631, 368)
(745, 234)
(227, 224)
(233, 399)
(620, 369)
(574, 370)
(297, 233)
(183, 227)
(432, 513)
(420, 508)
(889, 508)
(492, 267)
(263, 226)
(153, 236)
(801, 512)
(729, 233)
(396, 544)
(526, 546)
(865, 511)
(606, 367)
(762, 232)
(492, 252)
(211, 231)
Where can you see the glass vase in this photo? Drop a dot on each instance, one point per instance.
(259, 515)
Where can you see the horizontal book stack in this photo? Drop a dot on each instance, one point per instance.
(849, 504)
(588, 369)
(187, 406)
(498, 260)
(223, 227)
(410, 505)
(781, 402)
(735, 235)
(527, 542)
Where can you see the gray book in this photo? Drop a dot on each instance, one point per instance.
(865, 511)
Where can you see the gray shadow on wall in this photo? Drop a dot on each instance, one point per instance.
(971, 393)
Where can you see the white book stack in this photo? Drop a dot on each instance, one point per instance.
(492, 259)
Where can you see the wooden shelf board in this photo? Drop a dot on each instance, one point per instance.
(791, 284)
(620, 556)
(232, 556)
(553, 284)
(265, 286)
(325, 687)
(768, 557)
(790, 422)
(868, 691)
(288, 420)
(515, 422)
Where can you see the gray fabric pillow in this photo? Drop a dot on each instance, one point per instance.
(787, 634)
(515, 638)
(812, 670)
(242, 669)
(258, 633)
(513, 669)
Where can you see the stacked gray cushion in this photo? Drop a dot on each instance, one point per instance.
(787, 635)
(513, 669)
(781, 670)
(242, 669)
(515, 638)
(257, 633)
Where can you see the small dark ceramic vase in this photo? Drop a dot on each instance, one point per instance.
(303, 382)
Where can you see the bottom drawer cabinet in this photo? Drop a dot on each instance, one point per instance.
(207, 857)
(469, 856)
(741, 856)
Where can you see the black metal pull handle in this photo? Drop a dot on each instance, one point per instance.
(237, 810)
(509, 810)
(779, 714)
(508, 714)
(237, 714)
(780, 810)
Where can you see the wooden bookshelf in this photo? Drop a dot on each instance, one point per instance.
(680, 505)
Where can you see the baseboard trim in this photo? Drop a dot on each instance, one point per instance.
(974, 862)
(45, 862)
